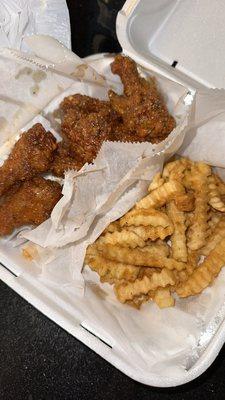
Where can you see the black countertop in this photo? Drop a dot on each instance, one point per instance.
(39, 360)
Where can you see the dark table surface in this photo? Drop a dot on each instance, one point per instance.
(39, 360)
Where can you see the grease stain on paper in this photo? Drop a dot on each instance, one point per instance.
(3, 122)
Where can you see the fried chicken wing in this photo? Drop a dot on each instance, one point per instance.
(138, 115)
(141, 107)
(31, 155)
(86, 123)
(65, 159)
(29, 202)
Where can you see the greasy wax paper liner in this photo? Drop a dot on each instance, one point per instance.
(157, 347)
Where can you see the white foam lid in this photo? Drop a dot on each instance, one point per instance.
(188, 33)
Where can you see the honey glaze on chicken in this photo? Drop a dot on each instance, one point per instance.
(26, 198)
(31, 155)
(28, 203)
(141, 106)
(138, 115)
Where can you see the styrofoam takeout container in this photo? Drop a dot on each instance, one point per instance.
(156, 35)
(186, 34)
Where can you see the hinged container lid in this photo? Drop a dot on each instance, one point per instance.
(184, 39)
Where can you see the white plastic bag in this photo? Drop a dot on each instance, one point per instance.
(20, 18)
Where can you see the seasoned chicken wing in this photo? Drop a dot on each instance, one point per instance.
(138, 115)
(86, 123)
(31, 155)
(29, 202)
(65, 159)
(141, 107)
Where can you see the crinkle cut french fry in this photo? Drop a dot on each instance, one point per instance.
(113, 227)
(161, 195)
(215, 200)
(143, 217)
(137, 301)
(124, 238)
(182, 276)
(216, 236)
(193, 258)
(220, 183)
(127, 291)
(185, 201)
(147, 271)
(175, 169)
(147, 258)
(111, 271)
(163, 298)
(157, 181)
(214, 218)
(205, 274)
(178, 238)
(198, 230)
(189, 219)
(163, 247)
(91, 250)
(152, 232)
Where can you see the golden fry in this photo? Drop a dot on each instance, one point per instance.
(185, 201)
(163, 247)
(151, 232)
(193, 258)
(205, 274)
(143, 217)
(113, 227)
(147, 271)
(137, 301)
(163, 298)
(111, 271)
(178, 238)
(215, 237)
(215, 199)
(220, 184)
(157, 181)
(141, 257)
(182, 276)
(198, 230)
(189, 219)
(124, 238)
(161, 195)
(175, 169)
(127, 291)
(214, 218)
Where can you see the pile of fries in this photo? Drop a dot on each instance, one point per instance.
(172, 241)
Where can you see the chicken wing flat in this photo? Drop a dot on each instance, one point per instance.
(64, 160)
(28, 203)
(31, 155)
(142, 108)
(86, 123)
